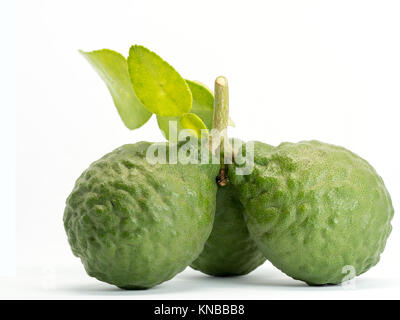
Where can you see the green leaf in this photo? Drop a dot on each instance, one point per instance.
(158, 86)
(112, 67)
(187, 121)
(202, 106)
(203, 102)
(163, 124)
(192, 122)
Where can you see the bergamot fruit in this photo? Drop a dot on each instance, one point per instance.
(315, 210)
(229, 251)
(135, 224)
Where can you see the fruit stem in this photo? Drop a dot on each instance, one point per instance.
(219, 135)
(221, 104)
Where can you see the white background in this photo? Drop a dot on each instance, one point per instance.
(326, 70)
(7, 139)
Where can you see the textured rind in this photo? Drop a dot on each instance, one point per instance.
(314, 208)
(229, 251)
(134, 224)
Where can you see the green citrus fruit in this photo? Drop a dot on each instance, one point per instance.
(135, 224)
(315, 210)
(229, 251)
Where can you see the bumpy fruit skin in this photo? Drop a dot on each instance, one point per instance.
(229, 251)
(135, 224)
(314, 208)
